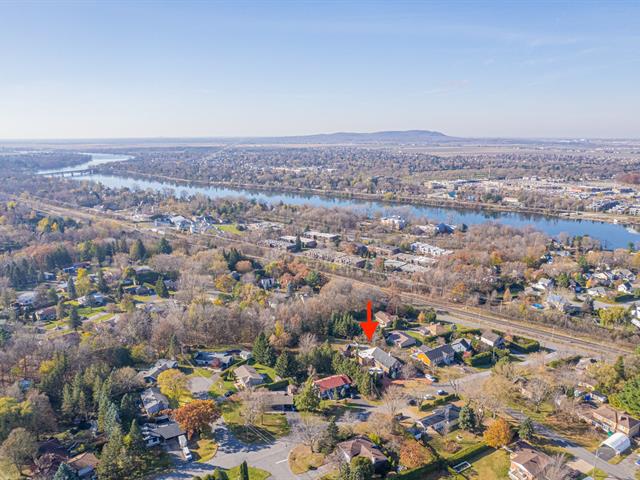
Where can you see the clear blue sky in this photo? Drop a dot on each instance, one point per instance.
(130, 69)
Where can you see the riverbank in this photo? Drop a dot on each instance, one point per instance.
(395, 200)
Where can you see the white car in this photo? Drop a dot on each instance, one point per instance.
(187, 454)
(430, 377)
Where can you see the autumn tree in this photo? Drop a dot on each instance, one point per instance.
(412, 454)
(19, 448)
(498, 434)
(172, 383)
(196, 416)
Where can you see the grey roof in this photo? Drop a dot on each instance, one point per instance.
(166, 431)
(384, 358)
(438, 353)
(451, 412)
(152, 397)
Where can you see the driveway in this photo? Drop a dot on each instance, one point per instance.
(271, 456)
(200, 386)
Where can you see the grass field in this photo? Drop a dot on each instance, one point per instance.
(302, 459)
(229, 228)
(270, 425)
(205, 450)
(254, 473)
(494, 465)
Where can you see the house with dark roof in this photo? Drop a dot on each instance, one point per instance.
(400, 339)
(461, 346)
(213, 359)
(433, 357)
(46, 314)
(363, 447)
(612, 420)
(157, 433)
(440, 419)
(333, 387)
(379, 359)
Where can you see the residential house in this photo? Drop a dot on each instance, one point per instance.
(363, 447)
(384, 319)
(333, 387)
(323, 237)
(46, 314)
(157, 433)
(428, 249)
(379, 359)
(492, 339)
(96, 299)
(461, 346)
(528, 464)
(440, 419)
(612, 420)
(153, 401)
(433, 357)
(597, 292)
(557, 301)
(213, 359)
(544, 284)
(625, 287)
(400, 339)
(395, 221)
(151, 375)
(434, 329)
(248, 377)
(84, 465)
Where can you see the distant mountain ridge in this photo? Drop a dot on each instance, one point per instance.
(390, 136)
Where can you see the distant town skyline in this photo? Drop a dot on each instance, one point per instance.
(236, 69)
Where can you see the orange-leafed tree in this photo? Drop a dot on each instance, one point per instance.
(412, 454)
(196, 416)
(498, 434)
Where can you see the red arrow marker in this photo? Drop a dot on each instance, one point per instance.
(369, 327)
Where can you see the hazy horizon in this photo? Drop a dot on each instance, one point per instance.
(99, 71)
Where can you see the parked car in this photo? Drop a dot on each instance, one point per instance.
(430, 377)
(441, 392)
(187, 454)
(228, 393)
(428, 396)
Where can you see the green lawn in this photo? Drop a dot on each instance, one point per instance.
(456, 440)
(268, 372)
(229, 228)
(265, 429)
(90, 311)
(254, 473)
(493, 465)
(205, 449)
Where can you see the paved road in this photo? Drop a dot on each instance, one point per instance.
(271, 456)
(622, 471)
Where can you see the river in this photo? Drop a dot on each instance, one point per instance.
(609, 234)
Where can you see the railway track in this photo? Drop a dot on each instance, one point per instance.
(541, 333)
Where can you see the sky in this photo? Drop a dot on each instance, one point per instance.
(203, 69)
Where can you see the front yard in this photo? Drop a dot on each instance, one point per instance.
(302, 459)
(268, 427)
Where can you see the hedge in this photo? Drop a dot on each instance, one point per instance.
(420, 472)
(483, 358)
(429, 404)
(525, 345)
(467, 453)
(275, 385)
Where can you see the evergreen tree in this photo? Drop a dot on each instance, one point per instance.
(526, 430)
(111, 418)
(285, 365)
(128, 408)
(467, 419)
(133, 441)
(244, 471)
(101, 285)
(111, 460)
(71, 288)
(298, 243)
(161, 288)
(68, 405)
(361, 469)
(262, 351)
(74, 321)
(65, 472)
(220, 474)
(619, 367)
(137, 251)
(307, 399)
(330, 438)
(164, 246)
(60, 310)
